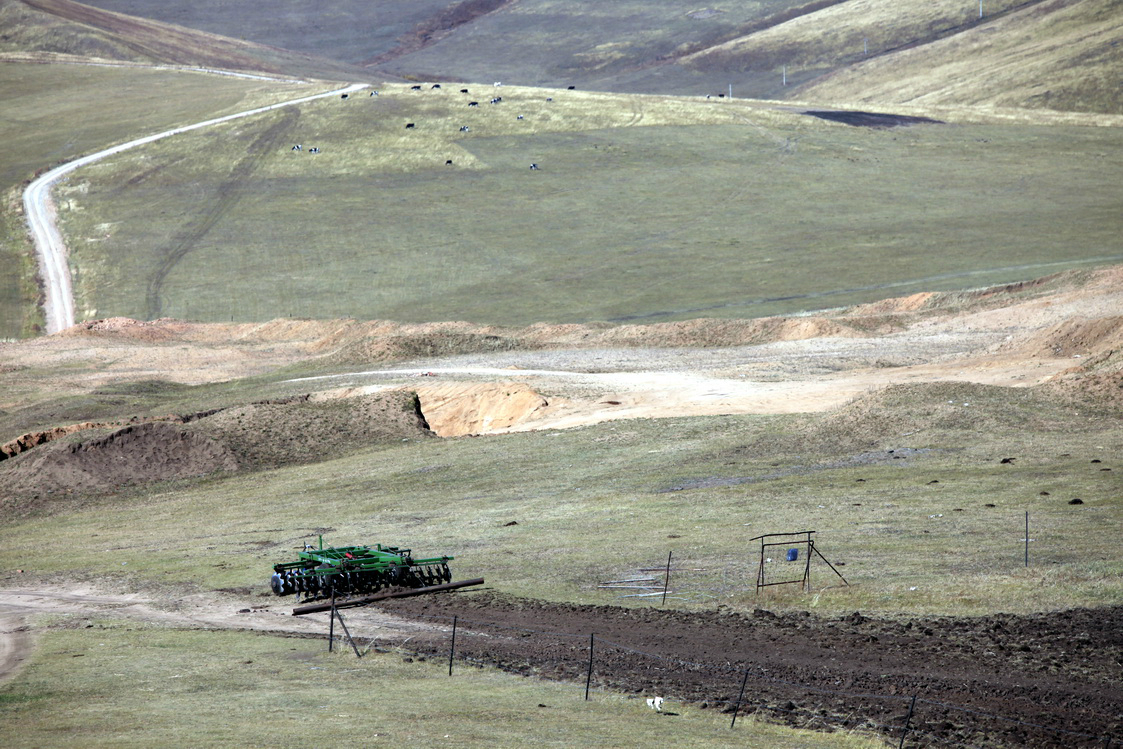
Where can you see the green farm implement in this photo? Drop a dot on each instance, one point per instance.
(354, 570)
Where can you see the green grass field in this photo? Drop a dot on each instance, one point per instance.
(130, 685)
(648, 208)
(55, 113)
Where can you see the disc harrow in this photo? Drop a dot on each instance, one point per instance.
(356, 570)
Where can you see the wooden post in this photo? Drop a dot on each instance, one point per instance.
(1027, 539)
(331, 624)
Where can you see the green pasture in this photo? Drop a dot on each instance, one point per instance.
(113, 684)
(551, 514)
(644, 208)
(56, 113)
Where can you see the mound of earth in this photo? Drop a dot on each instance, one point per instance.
(263, 435)
(155, 451)
(254, 436)
(1078, 337)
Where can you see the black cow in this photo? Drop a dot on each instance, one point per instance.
(549, 98)
(435, 85)
(473, 103)
(343, 96)
(415, 88)
(463, 128)
(572, 88)
(409, 125)
(448, 163)
(463, 90)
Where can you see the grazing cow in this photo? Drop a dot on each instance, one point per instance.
(520, 117)
(463, 128)
(415, 88)
(448, 163)
(343, 96)
(572, 88)
(497, 99)
(463, 90)
(374, 93)
(534, 166)
(435, 85)
(313, 150)
(298, 147)
(409, 125)
(473, 103)
(549, 98)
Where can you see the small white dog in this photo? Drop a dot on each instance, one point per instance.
(655, 703)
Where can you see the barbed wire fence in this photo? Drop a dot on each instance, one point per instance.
(590, 661)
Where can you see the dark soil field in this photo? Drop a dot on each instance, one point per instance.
(1053, 679)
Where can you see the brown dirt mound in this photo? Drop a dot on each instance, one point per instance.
(1078, 336)
(156, 451)
(254, 436)
(274, 434)
(1058, 670)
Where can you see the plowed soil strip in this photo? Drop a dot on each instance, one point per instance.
(1040, 680)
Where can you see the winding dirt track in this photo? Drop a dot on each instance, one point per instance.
(42, 216)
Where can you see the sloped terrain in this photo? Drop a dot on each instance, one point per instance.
(73, 31)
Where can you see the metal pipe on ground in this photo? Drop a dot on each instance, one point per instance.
(315, 608)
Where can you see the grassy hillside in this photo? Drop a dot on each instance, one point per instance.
(1060, 56)
(1020, 53)
(63, 27)
(54, 113)
(906, 488)
(647, 208)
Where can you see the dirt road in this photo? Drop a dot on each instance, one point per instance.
(42, 217)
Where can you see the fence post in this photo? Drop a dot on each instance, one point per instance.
(589, 677)
(908, 719)
(452, 649)
(667, 578)
(1027, 539)
(348, 633)
(740, 697)
(331, 623)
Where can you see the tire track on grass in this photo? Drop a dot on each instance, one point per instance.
(42, 217)
(226, 197)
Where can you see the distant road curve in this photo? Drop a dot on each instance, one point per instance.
(58, 303)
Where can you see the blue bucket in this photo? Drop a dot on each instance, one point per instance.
(793, 555)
